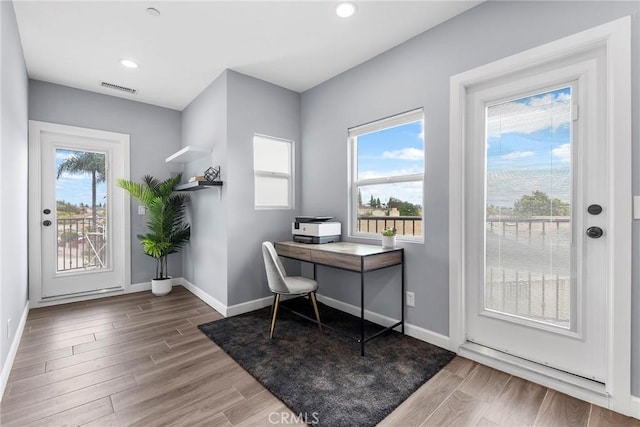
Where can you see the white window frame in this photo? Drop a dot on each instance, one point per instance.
(355, 184)
(271, 174)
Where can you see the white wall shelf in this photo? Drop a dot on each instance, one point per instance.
(188, 154)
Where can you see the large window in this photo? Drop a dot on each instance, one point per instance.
(273, 171)
(387, 176)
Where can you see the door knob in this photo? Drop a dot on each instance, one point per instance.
(46, 223)
(594, 209)
(594, 232)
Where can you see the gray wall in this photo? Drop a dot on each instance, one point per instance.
(13, 178)
(416, 74)
(204, 124)
(224, 257)
(154, 135)
(254, 106)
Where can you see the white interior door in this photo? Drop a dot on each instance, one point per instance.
(78, 215)
(537, 217)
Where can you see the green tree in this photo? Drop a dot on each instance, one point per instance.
(538, 203)
(86, 162)
(493, 210)
(405, 208)
(67, 209)
(359, 198)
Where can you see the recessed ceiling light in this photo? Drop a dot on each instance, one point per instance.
(346, 9)
(128, 63)
(153, 11)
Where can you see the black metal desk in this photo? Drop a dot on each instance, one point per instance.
(354, 257)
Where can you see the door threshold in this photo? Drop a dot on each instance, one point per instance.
(79, 296)
(573, 385)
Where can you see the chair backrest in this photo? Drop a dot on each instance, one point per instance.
(275, 270)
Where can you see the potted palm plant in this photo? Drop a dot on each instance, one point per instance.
(167, 231)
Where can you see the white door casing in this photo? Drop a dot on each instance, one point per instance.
(48, 284)
(614, 40)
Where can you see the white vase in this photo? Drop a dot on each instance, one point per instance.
(388, 241)
(160, 287)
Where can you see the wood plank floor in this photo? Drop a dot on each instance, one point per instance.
(140, 360)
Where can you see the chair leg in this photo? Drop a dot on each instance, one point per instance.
(312, 296)
(276, 302)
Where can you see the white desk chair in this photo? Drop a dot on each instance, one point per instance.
(281, 284)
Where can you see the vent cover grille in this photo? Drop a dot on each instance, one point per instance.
(118, 87)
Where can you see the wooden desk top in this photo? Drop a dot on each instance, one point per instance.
(346, 255)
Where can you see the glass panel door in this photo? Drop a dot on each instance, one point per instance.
(528, 227)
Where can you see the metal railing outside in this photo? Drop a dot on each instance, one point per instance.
(81, 244)
(525, 283)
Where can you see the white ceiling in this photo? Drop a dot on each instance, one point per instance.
(294, 44)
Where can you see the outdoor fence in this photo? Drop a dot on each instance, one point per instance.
(81, 243)
(528, 267)
(521, 283)
(404, 225)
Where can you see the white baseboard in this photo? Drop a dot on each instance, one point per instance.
(226, 311)
(245, 307)
(8, 363)
(205, 297)
(409, 329)
(138, 287)
(426, 335)
(634, 408)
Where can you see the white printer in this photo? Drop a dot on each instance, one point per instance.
(315, 229)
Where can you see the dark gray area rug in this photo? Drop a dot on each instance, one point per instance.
(322, 377)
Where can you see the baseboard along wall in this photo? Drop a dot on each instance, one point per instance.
(13, 350)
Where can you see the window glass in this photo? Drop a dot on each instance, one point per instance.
(273, 165)
(388, 174)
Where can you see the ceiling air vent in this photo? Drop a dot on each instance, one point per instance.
(118, 87)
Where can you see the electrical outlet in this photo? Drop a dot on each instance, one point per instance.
(8, 328)
(142, 210)
(411, 299)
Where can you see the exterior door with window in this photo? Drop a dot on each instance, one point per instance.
(77, 213)
(537, 219)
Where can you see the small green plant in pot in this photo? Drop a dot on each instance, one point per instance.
(167, 231)
(389, 237)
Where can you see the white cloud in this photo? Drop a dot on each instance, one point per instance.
(563, 152)
(380, 174)
(411, 192)
(404, 154)
(541, 112)
(64, 155)
(518, 155)
(77, 176)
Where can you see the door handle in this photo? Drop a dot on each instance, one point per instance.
(594, 209)
(595, 232)
(46, 223)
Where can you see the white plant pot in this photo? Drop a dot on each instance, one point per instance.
(160, 287)
(388, 241)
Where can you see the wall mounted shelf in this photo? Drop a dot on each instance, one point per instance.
(188, 154)
(197, 185)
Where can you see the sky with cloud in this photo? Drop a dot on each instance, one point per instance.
(76, 188)
(394, 151)
(529, 147)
